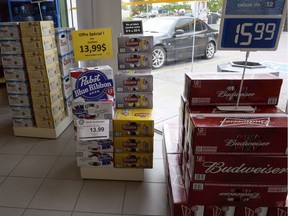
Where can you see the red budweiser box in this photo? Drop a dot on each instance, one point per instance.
(260, 211)
(242, 168)
(245, 134)
(171, 139)
(223, 89)
(175, 185)
(221, 194)
(277, 211)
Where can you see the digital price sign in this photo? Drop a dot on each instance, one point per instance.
(251, 25)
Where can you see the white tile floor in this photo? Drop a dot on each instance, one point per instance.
(39, 177)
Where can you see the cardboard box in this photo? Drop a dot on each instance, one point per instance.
(133, 144)
(127, 61)
(37, 28)
(92, 84)
(23, 122)
(43, 71)
(19, 99)
(16, 60)
(69, 36)
(49, 123)
(134, 83)
(66, 62)
(95, 159)
(68, 105)
(171, 143)
(45, 98)
(47, 110)
(62, 41)
(95, 145)
(22, 111)
(46, 84)
(135, 100)
(93, 110)
(15, 74)
(133, 122)
(9, 30)
(44, 58)
(243, 168)
(252, 195)
(38, 43)
(17, 87)
(66, 86)
(130, 44)
(280, 211)
(134, 71)
(10, 46)
(133, 160)
(238, 135)
(223, 89)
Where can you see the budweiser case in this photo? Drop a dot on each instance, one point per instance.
(223, 89)
(92, 84)
(245, 134)
(134, 83)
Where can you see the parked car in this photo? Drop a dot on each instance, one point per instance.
(173, 39)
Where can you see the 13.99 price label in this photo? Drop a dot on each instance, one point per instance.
(92, 44)
(93, 129)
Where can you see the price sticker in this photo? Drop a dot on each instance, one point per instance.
(92, 44)
(93, 129)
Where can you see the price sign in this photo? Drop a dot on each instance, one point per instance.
(92, 44)
(93, 129)
(132, 27)
(251, 25)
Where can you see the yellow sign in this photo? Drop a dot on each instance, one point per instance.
(91, 44)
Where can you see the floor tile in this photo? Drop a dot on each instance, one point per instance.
(36, 212)
(157, 173)
(94, 214)
(101, 196)
(69, 149)
(57, 194)
(11, 211)
(4, 139)
(49, 147)
(18, 192)
(34, 166)
(65, 168)
(1, 179)
(8, 163)
(145, 199)
(68, 132)
(158, 153)
(18, 145)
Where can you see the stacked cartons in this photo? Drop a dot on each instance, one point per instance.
(134, 97)
(93, 109)
(41, 58)
(237, 157)
(66, 61)
(16, 76)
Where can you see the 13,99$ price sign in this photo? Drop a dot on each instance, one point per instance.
(91, 44)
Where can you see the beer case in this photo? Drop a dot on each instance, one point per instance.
(133, 144)
(130, 44)
(139, 60)
(139, 100)
(37, 28)
(133, 160)
(134, 83)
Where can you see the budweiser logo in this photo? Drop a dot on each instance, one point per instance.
(220, 167)
(246, 143)
(245, 122)
(222, 94)
(241, 195)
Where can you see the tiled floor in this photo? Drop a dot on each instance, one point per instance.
(39, 177)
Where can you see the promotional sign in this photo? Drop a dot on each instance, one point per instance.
(97, 129)
(132, 27)
(251, 25)
(92, 44)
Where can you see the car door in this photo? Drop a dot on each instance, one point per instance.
(183, 42)
(200, 38)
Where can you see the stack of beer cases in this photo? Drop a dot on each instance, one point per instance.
(16, 76)
(93, 108)
(228, 163)
(66, 61)
(133, 120)
(41, 59)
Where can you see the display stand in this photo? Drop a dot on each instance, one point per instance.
(51, 133)
(112, 173)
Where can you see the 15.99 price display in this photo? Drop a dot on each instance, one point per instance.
(92, 44)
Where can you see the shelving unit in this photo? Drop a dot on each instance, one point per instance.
(53, 133)
(24, 10)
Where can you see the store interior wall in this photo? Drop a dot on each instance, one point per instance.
(100, 14)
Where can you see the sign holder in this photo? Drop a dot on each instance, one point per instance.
(250, 26)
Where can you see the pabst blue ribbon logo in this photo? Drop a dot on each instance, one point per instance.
(92, 86)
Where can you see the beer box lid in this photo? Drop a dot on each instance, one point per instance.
(134, 114)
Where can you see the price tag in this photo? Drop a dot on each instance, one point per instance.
(92, 44)
(92, 129)
(251, 25)
(132, 27)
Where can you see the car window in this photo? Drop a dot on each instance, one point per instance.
(199, 26)
(184, 24)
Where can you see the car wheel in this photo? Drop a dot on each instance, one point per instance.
(158, 57)
(210, 50)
